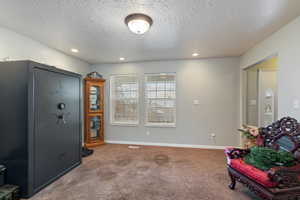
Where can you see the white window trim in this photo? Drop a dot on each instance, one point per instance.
(130, 123)
(159, 125)
(162, 125)
(133, 123)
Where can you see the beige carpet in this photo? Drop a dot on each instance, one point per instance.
(115, 172)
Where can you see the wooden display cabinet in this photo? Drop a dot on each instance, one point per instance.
(94, 111)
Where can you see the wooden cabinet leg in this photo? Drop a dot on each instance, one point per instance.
(233, 181)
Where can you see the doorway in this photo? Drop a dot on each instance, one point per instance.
(261, 102)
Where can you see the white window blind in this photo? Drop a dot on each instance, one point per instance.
(160, 97)
(124, 97)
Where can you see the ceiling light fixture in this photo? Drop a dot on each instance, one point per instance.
(138, 23)
(195, 54)
(74, 50)
(122, 58)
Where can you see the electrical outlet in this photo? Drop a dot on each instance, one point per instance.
(196, 102)
(296, 104)
(6, 58)
(213, 137)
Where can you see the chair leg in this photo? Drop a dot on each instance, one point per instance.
(233, 182)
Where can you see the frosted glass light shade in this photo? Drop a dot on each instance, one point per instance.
(138, 26)
(138, 23)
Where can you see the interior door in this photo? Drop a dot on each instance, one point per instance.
(57, 124)
(267, 93)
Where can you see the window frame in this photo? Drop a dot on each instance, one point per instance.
(159, 125)
(111, 105)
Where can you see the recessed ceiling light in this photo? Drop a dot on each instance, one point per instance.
(122, 58)
(138, 23)
(74, 50)
(195, 54)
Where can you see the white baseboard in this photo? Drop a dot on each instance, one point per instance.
(166, 144)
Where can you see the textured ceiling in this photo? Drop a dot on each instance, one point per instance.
(213, 28)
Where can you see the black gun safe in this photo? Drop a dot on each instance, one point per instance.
(40, 123)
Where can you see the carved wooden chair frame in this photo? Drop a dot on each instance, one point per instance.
(287, 178)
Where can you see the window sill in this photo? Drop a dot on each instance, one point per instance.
(124, 124)
(160, 125)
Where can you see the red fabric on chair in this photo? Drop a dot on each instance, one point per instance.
(252, 172)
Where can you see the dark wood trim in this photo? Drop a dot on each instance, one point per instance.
(287, 178)
(256, 188)
(286, 126)
(94, 79)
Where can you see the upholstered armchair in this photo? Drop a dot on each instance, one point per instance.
(276, 183)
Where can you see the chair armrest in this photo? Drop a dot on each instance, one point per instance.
(234, 153)
(286, 177)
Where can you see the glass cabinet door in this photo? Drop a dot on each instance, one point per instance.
(95, 126)
(95, 96)
(94, 112)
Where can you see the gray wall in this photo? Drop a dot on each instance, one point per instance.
(19, 47)
(214, 82)
(285, 43)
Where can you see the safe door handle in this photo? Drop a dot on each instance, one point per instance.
(61, 117)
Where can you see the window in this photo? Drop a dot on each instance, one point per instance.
(160, 97)
(124, 96)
